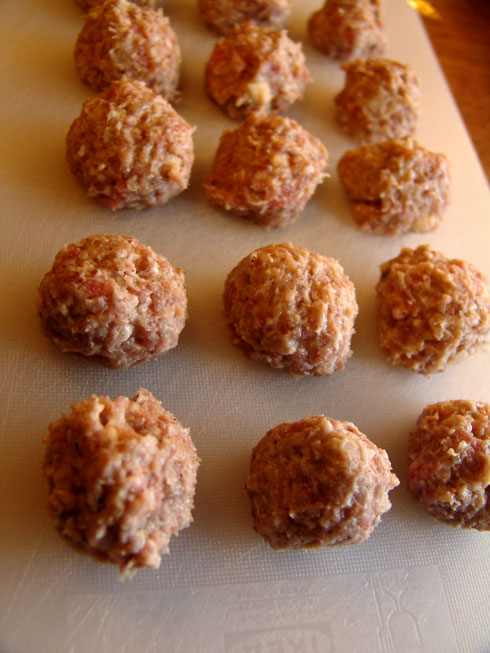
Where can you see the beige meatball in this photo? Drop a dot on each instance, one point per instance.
(255, 68)
(348, 29)
(292, 309)
(449, 472)
(129, 149)
(431, 311)
(88, 4)
(122, 476)
(380, 100)
(395, 186)
(113, 300)
(222, 15)
(266, 169)
(317, 482)
(120, 39)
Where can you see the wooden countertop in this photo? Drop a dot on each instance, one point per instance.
(461, 39)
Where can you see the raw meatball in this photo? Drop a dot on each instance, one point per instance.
(317, 482)
(266, 169)
(449, 470)
(395, 186)
(222, 15)
(129, 149)
(348, 29)
(121, 476)
(255, 68)
(292, 309)
(380, 100)
(114, 300)
(431, 311)
(120, 39)
(88, 4)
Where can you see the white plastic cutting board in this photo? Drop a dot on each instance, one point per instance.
(415, 585)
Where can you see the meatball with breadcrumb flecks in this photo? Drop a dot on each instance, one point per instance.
(255, 68)
(120, 39)
(449, 471)
(348, 29)
(317, 482)
(121, 476)
(129, 149)
(380, 100)
(431, 311)
(266, 169)
(221, 16)
(292, 309)
(395, 186)
(113, 300)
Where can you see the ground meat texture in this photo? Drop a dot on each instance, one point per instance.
(120, 39)
(88, 4)
(129, 149)
(380, 100)
(317, 482)
(122, 476)
(292, 309)
(395, 186)
(449, 472)
(113, 300)
(255, 68)
(222, 15)
(266, 169)
(347, 29)
(431, 311)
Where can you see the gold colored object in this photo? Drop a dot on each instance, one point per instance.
(424, 8)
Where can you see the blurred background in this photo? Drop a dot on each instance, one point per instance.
(460, 34)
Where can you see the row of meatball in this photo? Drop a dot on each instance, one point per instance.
(115, 300)
(348, 21)
(122, 477)
(130, 149)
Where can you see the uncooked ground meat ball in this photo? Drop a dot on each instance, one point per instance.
(88, 4)
(122, 476)
(317, 482)
(380, 100)
(120, 39)
(431, 311)
(222, 15)
(114, 300)
(292, 309)
(347, 29)
(449, 472)
(255, 68)
(395, 186)
(129, 149)
(266, 169)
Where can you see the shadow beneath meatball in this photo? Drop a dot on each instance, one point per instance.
(27, 531)
(365, 339)
(337, 205)
(69, 10)
(187, 13)
(20, 328)
(36, 158)
(222, 512)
